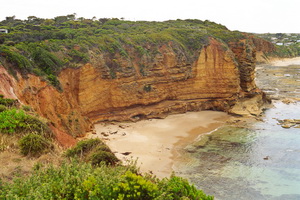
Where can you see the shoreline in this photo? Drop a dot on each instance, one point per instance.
(281, 62)
(156, 143)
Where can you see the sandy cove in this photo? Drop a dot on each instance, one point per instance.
(156, 142)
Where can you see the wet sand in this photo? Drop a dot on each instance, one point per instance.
(156, 143)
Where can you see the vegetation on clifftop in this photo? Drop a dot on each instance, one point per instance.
(45, 46)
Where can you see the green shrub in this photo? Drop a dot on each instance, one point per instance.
(35, 125)
(2, 108)
(14, 57)
(176, 188)
(78, 56)
(103, 156)
(11, 120)
(135, 187)
(83, 147)
(17, 121)
(103, 147)
(33, 145)
(94, 151)
(7, 102)
(77, 180)
(53, 80)
(26, 108)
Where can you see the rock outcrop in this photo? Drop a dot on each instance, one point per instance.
(263, 47)
(141, 87)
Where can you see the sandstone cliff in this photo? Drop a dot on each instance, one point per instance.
(142, 87)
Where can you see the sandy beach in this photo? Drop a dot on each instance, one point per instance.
(156, 142)
(286, 61)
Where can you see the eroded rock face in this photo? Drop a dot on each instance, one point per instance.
(211, 82)
(60, 108)
(170, 83)
(245, 53)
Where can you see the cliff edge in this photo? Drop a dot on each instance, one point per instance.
(131, 86)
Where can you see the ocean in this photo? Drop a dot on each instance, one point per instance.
(257, 161)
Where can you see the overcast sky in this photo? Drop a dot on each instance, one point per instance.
(259, 16)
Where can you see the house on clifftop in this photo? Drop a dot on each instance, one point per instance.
(3, 31)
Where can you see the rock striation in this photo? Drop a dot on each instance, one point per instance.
(216, 78)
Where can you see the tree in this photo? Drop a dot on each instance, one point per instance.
(10, 19)
(71, 16)
(61, 19)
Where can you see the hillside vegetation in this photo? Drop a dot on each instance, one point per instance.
(287, 44)
(45, 46)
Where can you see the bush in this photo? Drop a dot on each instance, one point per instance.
(33, 145)
(13, 56)
(94, 151)
(2, 108)
(7, 102)
(17, 121)
(83, 181)
(103, 156)
(26, 108)
(83, 147)
(11, 120)
(135, 187)
(78, 56)
(176, 188)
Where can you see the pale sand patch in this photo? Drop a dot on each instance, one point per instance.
(155, 143)
(286, 62)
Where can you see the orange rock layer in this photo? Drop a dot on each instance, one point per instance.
(217, 79)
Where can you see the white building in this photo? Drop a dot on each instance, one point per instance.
(3, 31)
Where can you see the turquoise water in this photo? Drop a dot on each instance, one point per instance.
(260, 162)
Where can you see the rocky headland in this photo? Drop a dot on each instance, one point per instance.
(220, 78)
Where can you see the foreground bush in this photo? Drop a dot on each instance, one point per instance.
(17, 121)
(34, 145)
(83, 181)
(94, 151)
(34, 136)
